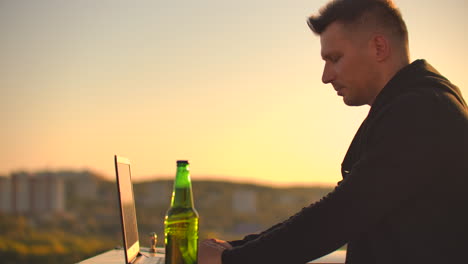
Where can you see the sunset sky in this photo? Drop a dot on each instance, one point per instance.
(233, 86)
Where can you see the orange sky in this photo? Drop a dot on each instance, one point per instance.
(233, 86)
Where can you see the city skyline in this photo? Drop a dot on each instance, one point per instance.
(234, 87)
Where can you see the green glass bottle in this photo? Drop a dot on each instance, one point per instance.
(181, 222)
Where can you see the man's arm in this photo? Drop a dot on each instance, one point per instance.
(396, 160)
(250, 237)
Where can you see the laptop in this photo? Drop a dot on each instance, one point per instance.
(133, 253)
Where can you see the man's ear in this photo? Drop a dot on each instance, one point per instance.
(381, 46)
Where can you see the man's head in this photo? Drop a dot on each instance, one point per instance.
(364, 43)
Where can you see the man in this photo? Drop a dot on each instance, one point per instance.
(403, 194)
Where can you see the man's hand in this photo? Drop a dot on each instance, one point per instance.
(210, 251)
(220, 242)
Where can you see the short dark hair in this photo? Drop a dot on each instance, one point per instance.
(383, 13)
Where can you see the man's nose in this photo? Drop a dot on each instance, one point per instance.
(328, 74)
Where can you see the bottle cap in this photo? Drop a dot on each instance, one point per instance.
(182, 162)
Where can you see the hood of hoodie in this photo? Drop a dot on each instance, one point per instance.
(417, 77)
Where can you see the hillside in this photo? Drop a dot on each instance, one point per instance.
(227, 210)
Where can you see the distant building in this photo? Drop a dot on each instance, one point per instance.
(86, 187)
(210, 199)
(39, 194)
(56, 190)
(244, 201)
(23, 193)
(286, 199)
(5, 195)
(155, 193)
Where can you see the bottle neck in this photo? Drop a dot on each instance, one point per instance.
(182, 194)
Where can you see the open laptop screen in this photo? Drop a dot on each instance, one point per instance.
(127, 207)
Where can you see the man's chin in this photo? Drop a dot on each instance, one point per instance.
(349, 102)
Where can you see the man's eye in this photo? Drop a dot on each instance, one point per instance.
(335, 59)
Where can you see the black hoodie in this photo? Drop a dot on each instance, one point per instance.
(403, 195)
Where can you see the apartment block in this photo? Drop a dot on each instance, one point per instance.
(5, 195)
(244, 201)
(23, 193)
